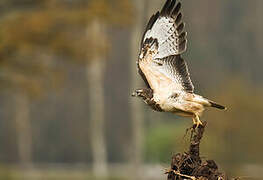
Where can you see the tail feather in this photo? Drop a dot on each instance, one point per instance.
(215, 105)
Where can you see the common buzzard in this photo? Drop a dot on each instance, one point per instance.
(162, 67)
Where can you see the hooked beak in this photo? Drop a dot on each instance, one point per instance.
(134, 94)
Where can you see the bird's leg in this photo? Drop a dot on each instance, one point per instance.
(197, 121)
(194, 120)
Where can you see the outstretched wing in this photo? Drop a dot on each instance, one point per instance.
(167, 27)
(175, 68)
(163, 42)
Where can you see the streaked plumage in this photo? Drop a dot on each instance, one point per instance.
(165, 72)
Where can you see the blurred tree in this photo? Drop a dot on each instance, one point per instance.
(95, 77)
(136, 106)
(97, 32)
(30, 57)
(27, 72)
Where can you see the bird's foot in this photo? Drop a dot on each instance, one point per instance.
(197, 122)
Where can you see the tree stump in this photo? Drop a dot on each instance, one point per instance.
(189, 165)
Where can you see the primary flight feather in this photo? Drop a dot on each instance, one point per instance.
(165, 72)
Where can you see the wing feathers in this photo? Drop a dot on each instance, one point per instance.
(180, 28)
(150, 25)
(171, 7)
(143, 76)
(182, 35)
(166, 27)
(166, 7)
(176, 68)
(178, 19)
(176, 9)
(165, 40)
(182, 45)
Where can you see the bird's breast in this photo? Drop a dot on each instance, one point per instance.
(161, 84)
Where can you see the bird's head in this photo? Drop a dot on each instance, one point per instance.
(143, 93)
(138, 93)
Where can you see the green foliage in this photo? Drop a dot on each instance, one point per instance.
(162, 140)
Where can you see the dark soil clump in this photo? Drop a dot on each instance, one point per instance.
(189, 165)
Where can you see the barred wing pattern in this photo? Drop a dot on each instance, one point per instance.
(175, 68)
(165, 39)
(167, 27)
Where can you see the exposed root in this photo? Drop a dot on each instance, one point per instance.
(181, 175)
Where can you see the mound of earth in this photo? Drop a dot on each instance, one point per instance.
(189, 165)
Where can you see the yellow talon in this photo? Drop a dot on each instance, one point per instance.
(197, 121)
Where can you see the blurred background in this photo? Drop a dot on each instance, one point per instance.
(67, 70)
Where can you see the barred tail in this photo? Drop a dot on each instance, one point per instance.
(215, 105)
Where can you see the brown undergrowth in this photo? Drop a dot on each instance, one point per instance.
(189, 165)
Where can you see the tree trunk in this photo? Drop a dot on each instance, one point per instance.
(23, 129)
(95, 77)
(259, 29)
(136, 105)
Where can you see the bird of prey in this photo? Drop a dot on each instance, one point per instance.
(163, 69)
